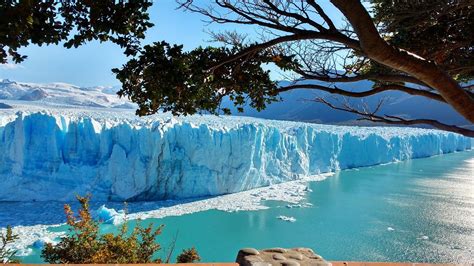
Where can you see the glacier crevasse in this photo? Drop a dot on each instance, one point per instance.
(116, 156)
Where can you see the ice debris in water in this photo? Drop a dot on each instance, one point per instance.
(40, 243)
(109, 216)
(33, 236)
(292, 192)
(300, 205)
(287, 218)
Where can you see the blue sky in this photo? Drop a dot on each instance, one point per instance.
(91, 64)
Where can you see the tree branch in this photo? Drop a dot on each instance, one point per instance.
(308, 35)
(362, 94)
(380, 51)
(323, 14)
(395, 120)
(295, 16)
(355, 78)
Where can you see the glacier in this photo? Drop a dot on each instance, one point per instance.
(56, 153)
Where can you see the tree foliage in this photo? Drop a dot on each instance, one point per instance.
(7, 254)
(188, 256)
(85, 245)
(167, 78)
(440, 31)
(72, 23)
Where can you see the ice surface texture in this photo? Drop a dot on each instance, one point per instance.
(56, 154)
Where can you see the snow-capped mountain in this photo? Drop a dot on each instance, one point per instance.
(296, 105)
(62, 94)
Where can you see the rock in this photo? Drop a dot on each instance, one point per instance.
(290, 263)
(255, 260)
(250, 251)
(296, 256)
(305, 250)
(278, 256)
(249, 257)
(316, 256)
(277, 250)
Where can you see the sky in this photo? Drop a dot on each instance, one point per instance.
(91, 64)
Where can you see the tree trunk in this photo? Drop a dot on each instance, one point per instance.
(380, 51)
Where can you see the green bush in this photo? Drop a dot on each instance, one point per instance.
(85, 245)
(188, 256)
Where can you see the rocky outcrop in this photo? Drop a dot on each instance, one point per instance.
(280, 256)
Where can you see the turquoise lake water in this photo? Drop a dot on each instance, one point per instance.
(418, 211)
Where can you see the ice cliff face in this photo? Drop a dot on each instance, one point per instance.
(55, 155)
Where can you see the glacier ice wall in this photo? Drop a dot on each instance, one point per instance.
(116, 156)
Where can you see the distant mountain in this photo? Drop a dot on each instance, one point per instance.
(298, 105)
(5, 106)
(62, 94)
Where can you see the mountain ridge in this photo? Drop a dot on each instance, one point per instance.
(297, 105)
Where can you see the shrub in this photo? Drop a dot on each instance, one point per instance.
(84, 244)
(188, 256)
(7, 255)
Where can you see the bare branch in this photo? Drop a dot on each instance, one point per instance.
(395, 120)
(323, 14)
(355, 78)
(366, 93)
(288, 38)
(295, 15)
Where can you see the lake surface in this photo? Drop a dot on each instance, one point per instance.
(418, 211)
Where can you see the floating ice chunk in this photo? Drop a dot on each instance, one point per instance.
(287, 218)
(40, 243)
(299, 205)
(32, 236)
(109, 216)
(24, 252)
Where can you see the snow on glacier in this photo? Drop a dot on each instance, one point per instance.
(56, 153)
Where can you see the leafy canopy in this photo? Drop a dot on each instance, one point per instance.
(166, 77)
(72, 22)
(438, 30)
